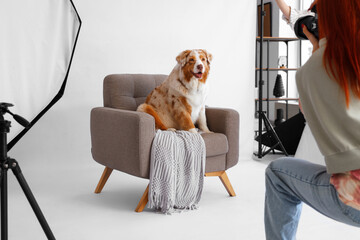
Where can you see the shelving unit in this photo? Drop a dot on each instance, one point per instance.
(268, 40)
(259, 82)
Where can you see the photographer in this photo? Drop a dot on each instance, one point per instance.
(329, 90)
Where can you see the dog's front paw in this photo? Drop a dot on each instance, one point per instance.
(193, 130)
(207, 131)
(171, 129)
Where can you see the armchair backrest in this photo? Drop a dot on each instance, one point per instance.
(128, 91)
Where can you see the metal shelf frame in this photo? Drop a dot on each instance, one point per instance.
(268, 40)
(259, 82)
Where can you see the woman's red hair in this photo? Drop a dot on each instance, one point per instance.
(339, 22)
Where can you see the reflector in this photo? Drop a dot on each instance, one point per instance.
(37, 44)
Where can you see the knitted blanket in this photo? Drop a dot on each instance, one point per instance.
(177, 171)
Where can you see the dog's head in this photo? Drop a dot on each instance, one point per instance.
(195, 64)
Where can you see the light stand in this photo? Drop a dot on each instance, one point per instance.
(7, 163)
(261, 113)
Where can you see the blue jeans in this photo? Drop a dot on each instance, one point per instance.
(289, 183)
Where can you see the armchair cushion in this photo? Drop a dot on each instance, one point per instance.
(216, 144)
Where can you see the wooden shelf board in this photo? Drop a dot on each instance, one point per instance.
(278, 99)
(277, 39)
(277, 69)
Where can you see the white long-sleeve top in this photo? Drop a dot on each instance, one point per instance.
(335, 127)
(295, 14)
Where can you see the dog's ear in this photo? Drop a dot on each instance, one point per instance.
(181, 58)
(209, 56)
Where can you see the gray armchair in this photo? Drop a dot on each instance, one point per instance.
(121, 137)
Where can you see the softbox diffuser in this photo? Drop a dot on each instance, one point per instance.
(37, 44)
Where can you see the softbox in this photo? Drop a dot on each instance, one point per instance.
(37, 44)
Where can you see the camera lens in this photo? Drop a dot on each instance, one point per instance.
(311, 24)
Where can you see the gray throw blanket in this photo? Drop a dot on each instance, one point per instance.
(177, 171)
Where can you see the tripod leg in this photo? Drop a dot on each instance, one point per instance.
(25, 187)
(4, 205)
(278, 141)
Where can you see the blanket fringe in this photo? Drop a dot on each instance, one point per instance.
(176, 171)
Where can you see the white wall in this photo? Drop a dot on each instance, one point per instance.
(141, 36)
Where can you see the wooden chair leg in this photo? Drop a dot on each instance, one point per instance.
(143, 201)
(104, 177)
(224, 179)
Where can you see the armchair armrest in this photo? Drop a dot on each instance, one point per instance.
(121, 139)
(226, 121)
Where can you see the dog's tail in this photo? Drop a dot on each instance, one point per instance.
(146, 108)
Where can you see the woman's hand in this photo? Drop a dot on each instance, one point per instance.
(314, 41)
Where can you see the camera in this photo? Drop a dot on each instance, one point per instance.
(311, 23)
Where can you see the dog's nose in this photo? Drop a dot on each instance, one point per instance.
(200, 67)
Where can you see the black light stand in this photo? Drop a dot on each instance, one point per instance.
(7, 163)
(261, 113)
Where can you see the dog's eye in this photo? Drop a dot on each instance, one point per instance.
(203, 59)
(191, 60)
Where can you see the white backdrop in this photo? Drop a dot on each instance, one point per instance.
(142, 36)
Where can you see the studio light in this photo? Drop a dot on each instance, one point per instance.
(37, 45)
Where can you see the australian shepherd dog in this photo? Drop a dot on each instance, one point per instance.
(179, 102)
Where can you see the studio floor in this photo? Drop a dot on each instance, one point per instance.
(64, 189)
